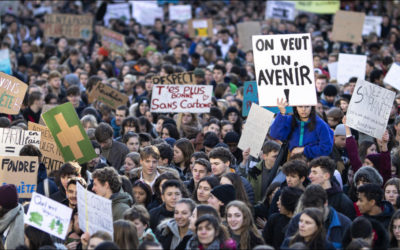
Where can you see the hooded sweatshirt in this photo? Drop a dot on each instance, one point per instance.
(12, 227)
(169, 234)
(121, 202)
(339, 201)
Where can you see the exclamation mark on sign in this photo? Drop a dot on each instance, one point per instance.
(287, 95)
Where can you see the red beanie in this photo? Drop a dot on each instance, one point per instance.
(102, 51)
(8, 196)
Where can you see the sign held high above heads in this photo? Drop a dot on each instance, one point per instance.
(12, 93)
(68, 25)
(350, 66)
(108, 95)
(348, 26)
(200, 27)
(177, 78)
(12, 140)
(180, 13)
(245, 31)
(284, 10)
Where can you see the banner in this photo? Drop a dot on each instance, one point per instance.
(108, 95)
(12, 140)
(348, 26)
(5, 63)
(21, 171)
(51, 155)
(200, 27)
(255, 130)
(369, 108)
(70, 26)
(48, 216)
(180, 13)
(350, 66)
(12, 93)
(113, 41)
(284, 10)
(319, 7)
(146, 12)
(94, 212)
(177, 78)
(67, 131)
(119, 11)
(393, 75)
(372, 24)
(245, 31)
(284, 69)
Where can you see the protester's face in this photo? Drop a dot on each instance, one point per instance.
(55, 82)
(143, 107)
(270, 158)
(218, 167)
(364, 205)
(199, 171)
(214, 202)
(165, 133)
(99, 188)
(129, 164)
(396, 229)
(317, 176)
(218, 76)
(133, 144)
(225, 129)
(119, 117)
(391, 194)
(304, 112)
(83, 78)
(214, 128)
(93, 242)
(293, 180)
(340, 141)
(106, 144)
(178, 155)
(371, 149)
(205, 233)
(352, 86)
(71, 195)
(307, 226)
(192, 220)
(320, 84)
(233, 117)
(64, 180)
(203, 191)
(235, 219)
(140, 227)
(139, 194)
(74, 99)
(182, 214)
(149, 165)
(344, 105)
(170, 196)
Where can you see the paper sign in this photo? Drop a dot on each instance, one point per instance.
(200, 27)
(332, 68)
(180, 13)
(5, 64)
(369, 108)
(119, 11)
(94, 212)
(246, 30)
(393, 76)
(12, 93)
(112, 41)
(108, 95)
(21, 171)
(255, 129)
(45, 108)
(350, 66)
(372, 24)
(177, 78)
(284, 69)
(12, 140)
(51, 155)
(319, 7)
(348, 26)
(181, 98)
(9, 7)
(67, 131)
(48, 215)
(145, 12)
(70, 26)
(284, 10)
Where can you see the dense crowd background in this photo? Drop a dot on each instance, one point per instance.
(179, 181)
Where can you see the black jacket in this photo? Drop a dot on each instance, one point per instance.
(158, 214)
(274, 231)
(340, 201)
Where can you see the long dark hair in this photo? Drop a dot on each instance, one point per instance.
(312, 119)
(211, 180)
(187, 150)
(237, 183)
(37, 238)
(392, 238)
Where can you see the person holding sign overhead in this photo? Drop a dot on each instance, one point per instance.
(309, 134)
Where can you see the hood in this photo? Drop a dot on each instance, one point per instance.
(387, 212)
(334, 189)
(121, 197)
(167, 226)
(42, 173)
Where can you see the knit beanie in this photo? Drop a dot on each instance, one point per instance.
(340, 130)
(368, 173)
(8, 196)
(225, 193)
(102, 51)
(72, 79)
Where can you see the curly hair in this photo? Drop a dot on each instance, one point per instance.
(110, 175)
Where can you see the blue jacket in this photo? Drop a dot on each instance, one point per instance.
(115, 127)
(318, 142)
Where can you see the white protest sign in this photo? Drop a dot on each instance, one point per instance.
(245, 31)
(94, 212)
(48, 215)
(181, 98)
(372, 24)
(369, 108)
(5, 63)
(117, 11)
(284, 69)
(284, 10)
(180, 13)
(12, 140)
(393, 76)
(145, 12)
(351, 66)
(255, 129)
(332, 68)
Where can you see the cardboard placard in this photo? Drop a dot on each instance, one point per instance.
(200, 28)
(284, 69)
(146, 12)
(70, 26)
(94, 212)
(180, 13)
(319, 7)
(22, 172)
(12, 93)
(369, 108)
(48, 215)
(245, 31)
(45, 108)
(67, 131)
(351, 66)
(372, 24)
(255, 130)
(284, 10)
(12, 140)
(332, 68)
(181, 98)
(393, 76)
(177, 78)
(5, 63)
(51, 154)
(348, 26)
(108, 95)
(113, 41)
(119, 11)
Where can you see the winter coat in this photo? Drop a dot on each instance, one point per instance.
(116, 128)
(12, 227)
(340, 201)
(316, 143)
(168, 234)
(159, 214)
(121, 202)
(385, 216)
(135, 173)
(286, 242)
(117, 154)
(274, 231)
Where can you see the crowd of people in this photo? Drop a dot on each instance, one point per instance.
(179, 181)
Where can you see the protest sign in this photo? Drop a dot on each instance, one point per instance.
(350, 66)
(10, 7)
(200, 27)
(250, 95)
(108, 95)
(284, 69)
(145, 12)
(255, 130)
(119, 11)
(372, 24)
(181, 98)
(245, 31)
(332, 68)
(393, 76)
(348, 26)
(5, 63)
(369, 108)
(284, 10)
(70, 26)
(46, 108)
(48, 215)
(67, 131)
(319, 7)
(12, 93)
(12, 140)
(177, 78)
(113, 41)
(51, 155)
(180, 13)
(94, 212)
(20, 171)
